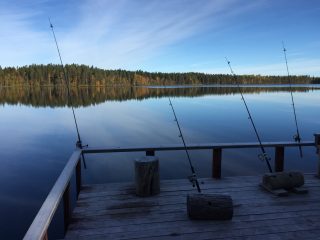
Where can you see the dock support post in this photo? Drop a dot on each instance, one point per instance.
(216, 163)
(279, 159)
(66, 207)
(78, 177)
(147, 179)
(317, 144)
(150, 152)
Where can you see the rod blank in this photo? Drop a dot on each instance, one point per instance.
(193, 178)
(66, 79)
(296, 137)
(263, 156)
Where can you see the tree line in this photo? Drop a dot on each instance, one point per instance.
(82, 75)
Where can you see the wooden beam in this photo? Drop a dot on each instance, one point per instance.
(279, 159)
(202, 146)
(317, 144)
(78, 177)
(66, 207)
(45, 237)
(216, 163)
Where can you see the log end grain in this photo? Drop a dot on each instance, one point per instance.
(209, 206)
(147, 178)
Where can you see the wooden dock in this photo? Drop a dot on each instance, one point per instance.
(112, 211)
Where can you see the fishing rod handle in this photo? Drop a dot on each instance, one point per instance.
(198, 186)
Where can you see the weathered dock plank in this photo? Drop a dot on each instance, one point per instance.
(112, 211)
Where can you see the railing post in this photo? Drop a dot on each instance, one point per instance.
(317, 143)
(150, 152)
(216, 162)
(78, 177)
(279, 159)
(66, 207)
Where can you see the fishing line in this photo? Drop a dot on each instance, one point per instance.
(66, 79)
(296, 137)
(263, 156)
(193, 179)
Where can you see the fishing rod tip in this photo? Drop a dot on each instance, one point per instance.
(51, 26)
(283, 47)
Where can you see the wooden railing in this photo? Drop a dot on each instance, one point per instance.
(61, 189)
(216, 151)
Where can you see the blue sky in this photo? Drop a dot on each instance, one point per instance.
(166, 35)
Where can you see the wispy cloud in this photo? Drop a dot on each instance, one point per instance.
(19, 42)
(127, 31)
(297, 66)
(130, 34)
(111, 34)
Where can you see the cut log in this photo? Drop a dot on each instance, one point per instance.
(147, 176)
(283, 180)
(209, 206)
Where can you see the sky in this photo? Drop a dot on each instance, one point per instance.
(165, 35)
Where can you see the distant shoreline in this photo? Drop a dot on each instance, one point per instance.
(315, 85)
(234, 85)
(82, 75)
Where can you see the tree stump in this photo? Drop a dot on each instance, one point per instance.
(209, 206)
(283, 180)
(147, 176)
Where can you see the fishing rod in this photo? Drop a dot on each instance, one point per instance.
(193, 178)
(296, 137)
(263, 156)
(66, 79)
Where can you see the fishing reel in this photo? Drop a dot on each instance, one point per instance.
(193, 179)
(79, 145)
(297, 138)
(264, 157)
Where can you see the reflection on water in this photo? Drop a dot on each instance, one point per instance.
(86, 96)
(38, 135)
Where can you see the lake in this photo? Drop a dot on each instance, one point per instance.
(38, 135)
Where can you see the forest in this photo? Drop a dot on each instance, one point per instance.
(82, 75)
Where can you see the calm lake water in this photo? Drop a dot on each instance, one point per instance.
(38, 136)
